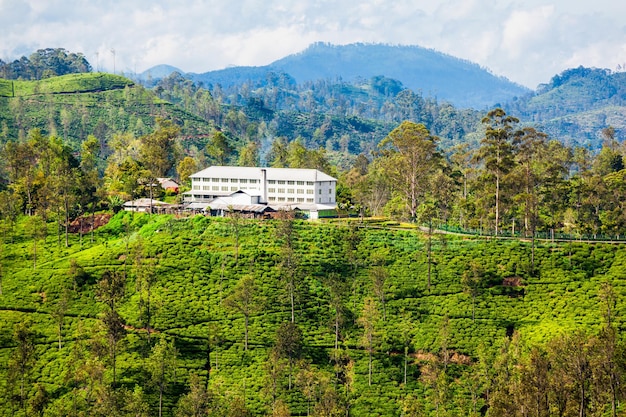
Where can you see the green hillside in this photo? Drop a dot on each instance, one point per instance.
(350, 278)
(576, 105)
(75, 106)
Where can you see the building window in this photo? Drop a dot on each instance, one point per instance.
(281, 181)
(319, 191)
(234, 180)
(281, 198)
(300, 182)
(330, 191)
(254, 181)
(289, 190)
(291, 199)
(300, 191)
(224, 180)
(224, 188)
(271, 181)
(271, 190)
(310, 191)
(271, 199)
(215, 188)
(291, 182)
(281, 191)
(320, 200)
(206, 187)
(234, 188)
(205, 180)
(215, 180)
(309, 200)
(243, 181)
(309, 183)
(300, 200)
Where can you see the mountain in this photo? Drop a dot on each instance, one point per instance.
(447, 78)
(576, 105)
(158, 72)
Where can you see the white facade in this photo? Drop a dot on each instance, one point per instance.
(274, 186)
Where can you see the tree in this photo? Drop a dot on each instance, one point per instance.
(162, 367)
(288, 344)
(249, 155)
(368, 320)
(286, 234)
(277, 156)
(22, 359)
(36, 229)
(157, 151)
(410, 159)
(497, 151)
(91, 182)
(135, 403)
(185, 169)
(471, 281)
(379, 276)
(58, 313)
(572, 361)
(218, 148)
(243, 300)
(196, 403)
(110, 290)
(145, 278)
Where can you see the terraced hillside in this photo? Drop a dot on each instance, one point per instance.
(77, 105)
(359, 292)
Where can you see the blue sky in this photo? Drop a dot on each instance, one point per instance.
(525, 41)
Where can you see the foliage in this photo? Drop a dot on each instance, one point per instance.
(193, 259)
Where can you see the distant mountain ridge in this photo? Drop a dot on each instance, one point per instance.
(435, 74)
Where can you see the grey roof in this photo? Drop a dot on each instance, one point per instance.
(296, 174)
(146, 202)
(251, 208)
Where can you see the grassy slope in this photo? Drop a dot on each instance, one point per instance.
(77, 105)
(196, 269)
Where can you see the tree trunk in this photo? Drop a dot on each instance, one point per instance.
(497, 202)
(291, 296)
(369, 380)
(245, 341)
(406, 358)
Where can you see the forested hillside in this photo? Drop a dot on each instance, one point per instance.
(576, 105)
(75, 106)
(199, 316)
(437, 75)
(193, 316)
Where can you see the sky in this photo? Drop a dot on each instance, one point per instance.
(526, 41)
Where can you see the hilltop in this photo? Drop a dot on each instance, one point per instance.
(437, 75)
(78, 105)
(576, 105)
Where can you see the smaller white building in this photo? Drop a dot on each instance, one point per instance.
(307, 190)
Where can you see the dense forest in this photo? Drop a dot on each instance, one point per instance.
(379, 312)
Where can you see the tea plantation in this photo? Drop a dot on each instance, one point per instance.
(371, 336)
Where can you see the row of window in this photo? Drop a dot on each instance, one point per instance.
(232, 180)
(281, 182)
(290, 200)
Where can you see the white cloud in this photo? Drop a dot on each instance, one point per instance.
(526, 41)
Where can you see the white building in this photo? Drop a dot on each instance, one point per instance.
(308, 190)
